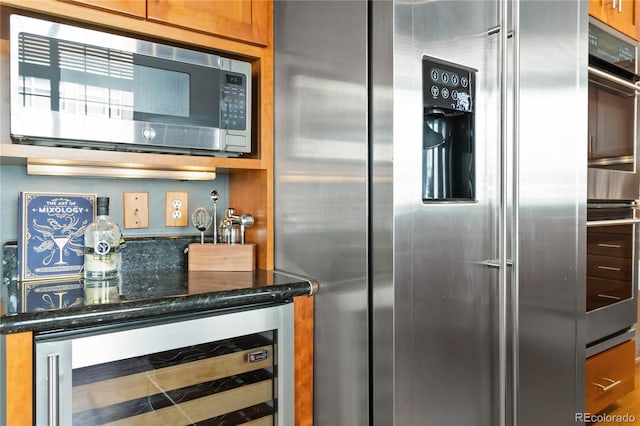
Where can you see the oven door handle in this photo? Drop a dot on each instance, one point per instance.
(612, 78)
(612, 222)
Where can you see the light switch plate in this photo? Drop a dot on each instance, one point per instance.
(177, 208)
(136, 209)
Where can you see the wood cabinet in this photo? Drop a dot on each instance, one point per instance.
(609, 376)
(128, 7)
(246, 20)
(241, 28)
(619, 14)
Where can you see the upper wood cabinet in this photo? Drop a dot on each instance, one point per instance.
(128, 7)
(245, 20)
(619, 14)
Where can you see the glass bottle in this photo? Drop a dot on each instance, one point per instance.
(101, 245)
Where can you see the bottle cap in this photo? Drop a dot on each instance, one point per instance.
(103, 206)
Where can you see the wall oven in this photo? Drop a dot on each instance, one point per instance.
(613, 188)
(613, 115)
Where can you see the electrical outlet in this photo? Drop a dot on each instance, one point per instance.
(136, 209)
(177, 206)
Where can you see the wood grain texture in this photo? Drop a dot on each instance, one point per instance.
(19, 378)
(250, 192)
(222, 257)
(246, 20)
(204, 408)
(627, 405)
(137, 8)
(303, 341)
(113, 391)
(606, 368)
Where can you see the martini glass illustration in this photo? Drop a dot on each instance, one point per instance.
(61, 242)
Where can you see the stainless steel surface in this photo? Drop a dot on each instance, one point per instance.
(53, 392)
(53, 127)
(215, 197)
(320, 173)
(84, 350)
(201, 219)
(617, 179)
(613, 78)
(611, 342)
(413, 285)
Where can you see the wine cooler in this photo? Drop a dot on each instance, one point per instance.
(229, 369)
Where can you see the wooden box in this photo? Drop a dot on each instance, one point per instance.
(222, 257)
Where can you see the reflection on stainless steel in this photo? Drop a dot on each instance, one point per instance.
(409, 280)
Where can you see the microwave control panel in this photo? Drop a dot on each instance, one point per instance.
(233, 114)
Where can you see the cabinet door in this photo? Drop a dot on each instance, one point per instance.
(623, 18)
(619, 14)
(129, 7)
(247, 20)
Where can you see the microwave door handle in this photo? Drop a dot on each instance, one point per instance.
(612, 78)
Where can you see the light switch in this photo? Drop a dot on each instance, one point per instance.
(136, 209)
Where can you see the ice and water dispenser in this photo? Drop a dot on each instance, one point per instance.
(448, 160)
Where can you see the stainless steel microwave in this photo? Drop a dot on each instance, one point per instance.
(74, 86)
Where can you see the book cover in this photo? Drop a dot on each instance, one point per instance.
(47, 295)
(51, 234)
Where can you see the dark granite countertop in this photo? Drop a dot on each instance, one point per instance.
(54, 306)
(143, 293)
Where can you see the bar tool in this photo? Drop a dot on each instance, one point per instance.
(246, 221)
(214, 197)
(201, 219)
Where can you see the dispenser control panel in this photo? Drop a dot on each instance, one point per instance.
(448, 85)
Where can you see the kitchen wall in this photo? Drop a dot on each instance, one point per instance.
(13, 178)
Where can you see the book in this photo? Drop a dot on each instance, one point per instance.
(51, 234)
(50, 295)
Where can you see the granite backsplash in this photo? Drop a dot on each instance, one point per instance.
(151, 255)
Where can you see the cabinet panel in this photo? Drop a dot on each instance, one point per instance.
(619, 14)
(609, 376)
(609, 244)
(129, 7)
(615, 268)
(247, 20)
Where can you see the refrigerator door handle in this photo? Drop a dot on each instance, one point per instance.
(508, 277)
(515, 217)
(494, 264)
(502, 217)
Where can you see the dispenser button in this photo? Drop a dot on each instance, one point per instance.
(445, 93)
(434, 75)
(455, 79)
(435, 91)
(464, 82)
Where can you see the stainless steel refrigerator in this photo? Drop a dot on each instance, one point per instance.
(430, 172)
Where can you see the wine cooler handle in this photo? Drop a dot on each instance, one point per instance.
(53, 388)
